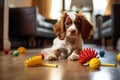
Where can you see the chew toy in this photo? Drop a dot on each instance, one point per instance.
(87, 54)
(101, 53)
(6, 51)
(42, 56)
(118, 57)
(95, 63)
(37, 61)
(21, 50)
(15, 53)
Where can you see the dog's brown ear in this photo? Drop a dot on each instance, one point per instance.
(86, 27)
(59, 27)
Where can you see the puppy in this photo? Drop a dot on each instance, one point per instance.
(71, 30)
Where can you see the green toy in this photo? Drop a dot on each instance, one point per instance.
(15, 53)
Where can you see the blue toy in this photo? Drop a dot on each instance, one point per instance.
(101, 53)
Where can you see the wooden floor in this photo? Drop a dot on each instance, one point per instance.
(12, 68)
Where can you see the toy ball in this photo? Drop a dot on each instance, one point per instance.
(15, 53)
(42, 55)
(87, 54)
(118, 57)
(101, 53)
(94, 63)
(21, 50)
(6, 51)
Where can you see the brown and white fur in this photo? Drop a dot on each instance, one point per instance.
(71, 30)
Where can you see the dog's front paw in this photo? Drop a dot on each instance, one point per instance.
(73, 57)
(51, 57)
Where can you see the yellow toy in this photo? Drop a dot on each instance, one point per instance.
(21, 50)
(95, 63)
(37, 61)
(118, 57)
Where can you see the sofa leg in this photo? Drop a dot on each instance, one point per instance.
(39, 42)
(115, 40)
(31, 42)
(98, 42)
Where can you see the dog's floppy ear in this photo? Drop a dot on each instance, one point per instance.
(59, 27)
(86, 27)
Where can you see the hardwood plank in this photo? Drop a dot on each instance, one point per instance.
(12, 68)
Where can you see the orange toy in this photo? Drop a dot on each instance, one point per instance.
(21, 50)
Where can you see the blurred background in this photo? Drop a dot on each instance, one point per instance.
(30, 22)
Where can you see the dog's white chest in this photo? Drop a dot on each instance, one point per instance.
(70, 47)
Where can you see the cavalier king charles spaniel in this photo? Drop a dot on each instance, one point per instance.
(71, 30)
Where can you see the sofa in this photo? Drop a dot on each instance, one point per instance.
(109, 26)
(27, 26)
(96, 36)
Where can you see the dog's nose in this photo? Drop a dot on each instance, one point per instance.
(73, 31)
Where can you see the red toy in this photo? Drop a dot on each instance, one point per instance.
(87, 54)
(42, 55)
(6, 51)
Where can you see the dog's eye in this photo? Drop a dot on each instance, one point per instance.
(77, 23)
(67, 24)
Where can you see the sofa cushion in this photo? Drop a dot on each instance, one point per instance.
(106, 28)
(42, 23)
(45, 25)
(106, 32)
(42, 32)
(106, 24)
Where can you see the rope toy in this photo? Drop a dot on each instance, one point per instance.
(37, 61)
(87, 54)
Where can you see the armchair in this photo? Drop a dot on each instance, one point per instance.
(110, 26)
(25, 28)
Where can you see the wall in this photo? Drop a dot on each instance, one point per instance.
(6, 42)
(109, 6)
(1, 22)
(20, 3)
(4, 39)
(44, 7)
